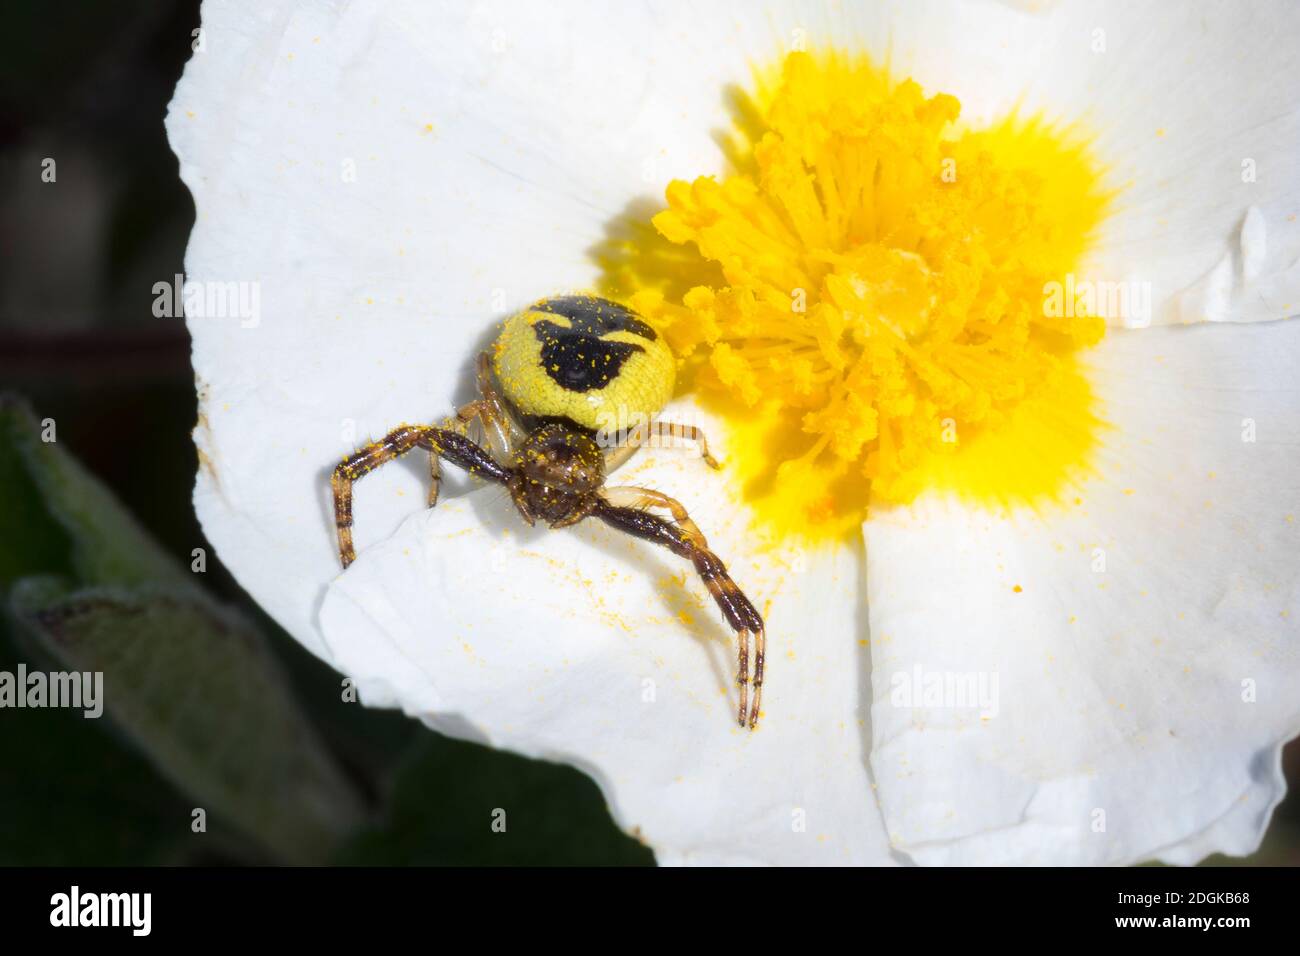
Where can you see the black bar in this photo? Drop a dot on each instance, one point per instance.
(332, 906)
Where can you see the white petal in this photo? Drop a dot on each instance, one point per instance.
(392, 179)
(1156, 691)
(365, 168)
(602, 651)
(1193, 109)
(1254, 244)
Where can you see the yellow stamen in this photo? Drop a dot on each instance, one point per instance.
(866, 299)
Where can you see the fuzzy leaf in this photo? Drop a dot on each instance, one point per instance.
(192, 685)
(196, 689)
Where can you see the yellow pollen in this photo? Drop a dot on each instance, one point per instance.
(872, 297)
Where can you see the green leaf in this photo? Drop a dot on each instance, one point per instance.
(34, 543)
(73, 794)
(190, 684)
(66, 518)
(196, 689)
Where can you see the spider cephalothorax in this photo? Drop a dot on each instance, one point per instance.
(557, 471)
(560, 372)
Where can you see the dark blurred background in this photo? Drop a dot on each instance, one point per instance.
(86, 83)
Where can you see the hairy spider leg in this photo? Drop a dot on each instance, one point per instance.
(679, 538)
(439, 442)
(638, 436)
(630, 496)
(502, 430)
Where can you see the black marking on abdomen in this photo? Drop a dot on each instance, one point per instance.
(592, 315)
(579, 362)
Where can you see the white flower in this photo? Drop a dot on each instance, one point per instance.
(396, 177)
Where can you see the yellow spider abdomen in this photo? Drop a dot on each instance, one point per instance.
(586, 359)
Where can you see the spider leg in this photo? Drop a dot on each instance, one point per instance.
(682, 538)
(439, 442)
(629, 496)
(435, 479)
(642, 433)
(501, 429)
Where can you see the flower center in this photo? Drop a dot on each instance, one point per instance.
(869, 306)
